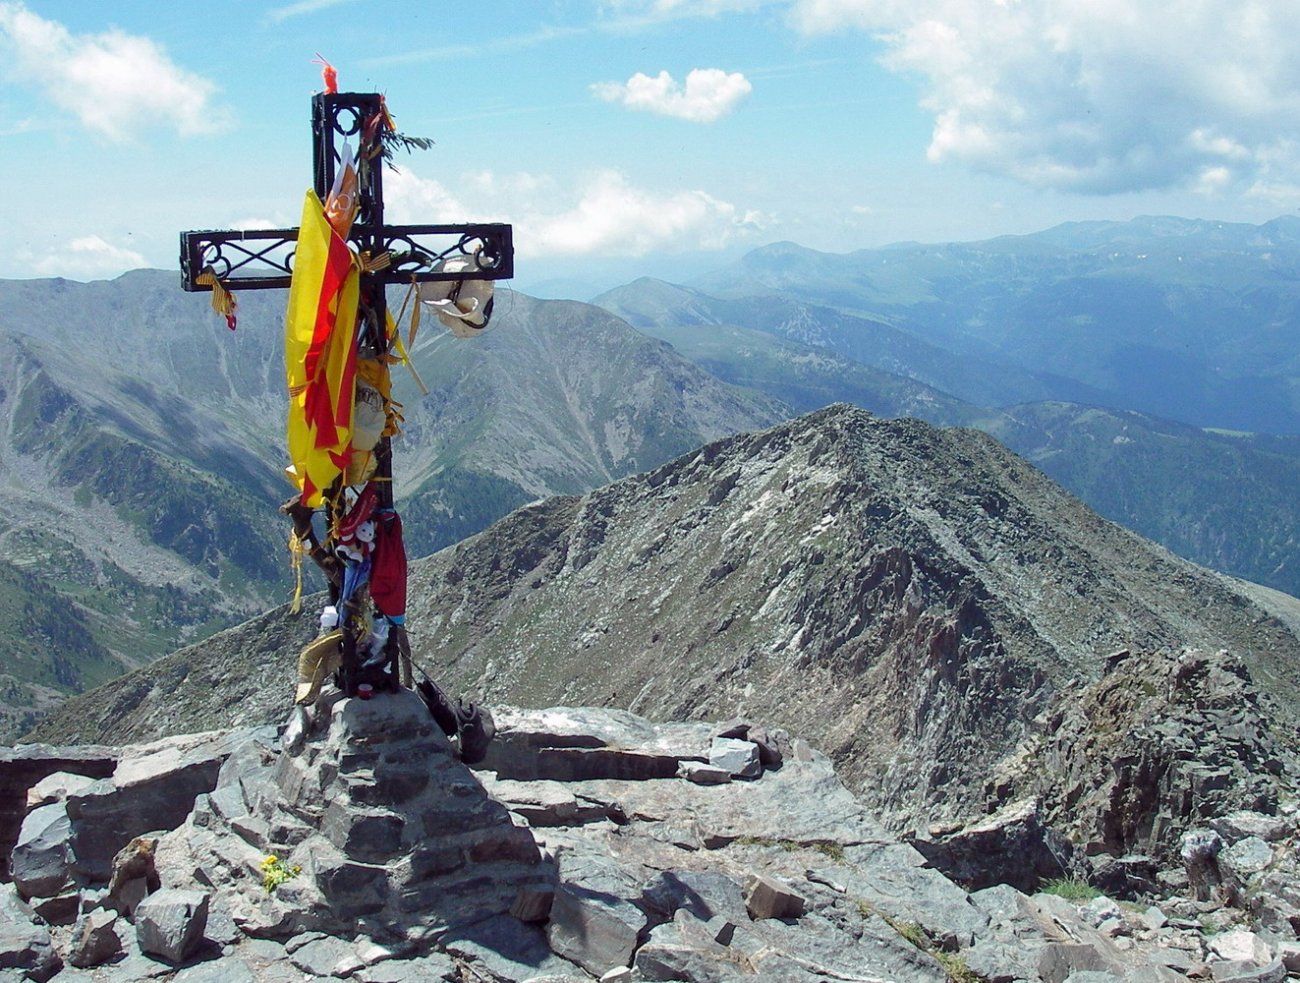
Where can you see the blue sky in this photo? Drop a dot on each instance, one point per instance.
(623, 137)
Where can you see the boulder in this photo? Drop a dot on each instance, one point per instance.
(94, 939)
(593, 929)
(1011, 847)
(25, 766)
(39, 864)
(736, 757)
(766, 897)
(55, 788)
(153, 787)
(170, 923)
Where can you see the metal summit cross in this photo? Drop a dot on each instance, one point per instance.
(390, 254)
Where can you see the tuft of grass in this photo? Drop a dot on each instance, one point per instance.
(956, 968)
(1071, 888)
(914, 934)
(827, 848)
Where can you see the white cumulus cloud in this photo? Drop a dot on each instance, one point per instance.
(707, 95)
(89, 257)
(1099, 96)
(613, 218)
(599, 214)
(115, 83)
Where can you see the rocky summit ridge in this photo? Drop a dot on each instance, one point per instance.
(919, 603)
(589, 844)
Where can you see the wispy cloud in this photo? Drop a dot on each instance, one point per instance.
(657, 10)
(500, 45)
(708, 94)
(114, 83)
(278, 14)
(1101, 97)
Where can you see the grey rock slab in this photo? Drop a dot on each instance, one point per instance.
(1011, 847)
(170, 923)
(39, 864)
(327, 956)
(825, 950)
(1245, 972)
(673, 952)
(506, 948)
(804, 802)
(1240, 946)
(62, 909)
(896, 880)
(1247, 857)
(432, 968)
(702, 774)
(24, 766)
(706, 894)
(227, 969)
(594, 929)
(542, 803)
(55, 788)
(1002, 962)
(153, 788)
(1239, 825)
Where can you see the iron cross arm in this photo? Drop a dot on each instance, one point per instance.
(262, 259)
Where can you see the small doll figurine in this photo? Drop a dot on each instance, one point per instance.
(356, 548)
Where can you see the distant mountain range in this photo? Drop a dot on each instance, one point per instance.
(1190, 320)
(141, 442)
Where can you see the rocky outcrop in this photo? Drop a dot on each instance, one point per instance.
(600, 858)
(22, 768)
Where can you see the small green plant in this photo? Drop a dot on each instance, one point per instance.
(275, 872)
(1071, 888)
(913, 933)
(956, 968)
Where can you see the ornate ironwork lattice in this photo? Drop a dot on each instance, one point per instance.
(260, 259)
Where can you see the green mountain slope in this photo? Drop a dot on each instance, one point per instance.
(1225, 500)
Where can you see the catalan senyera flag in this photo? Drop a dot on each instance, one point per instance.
(320, 358)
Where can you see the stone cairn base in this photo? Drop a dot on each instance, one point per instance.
(391, 836)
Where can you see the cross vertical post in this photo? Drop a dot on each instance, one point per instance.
(225, 260)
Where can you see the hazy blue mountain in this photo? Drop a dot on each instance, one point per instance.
(878, 341)
(1190, 320)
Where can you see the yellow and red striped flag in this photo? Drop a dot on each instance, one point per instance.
(320, 357)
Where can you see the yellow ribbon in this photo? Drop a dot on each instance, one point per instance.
(297, 550)
(223, 301)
